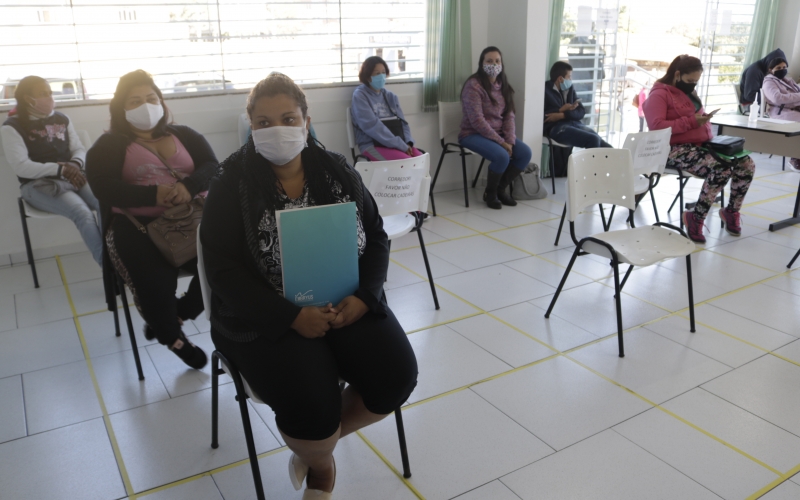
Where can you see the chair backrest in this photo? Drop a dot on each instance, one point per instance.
(649, 150)
(351, 136)
(398, 186)
(201, 276)
(599, 175)
(85, 139)
(450, 115)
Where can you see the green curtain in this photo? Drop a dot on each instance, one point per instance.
(556, 19)
(762, 31)
(433, 42)
(448, 52)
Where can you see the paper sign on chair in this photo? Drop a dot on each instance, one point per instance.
(319, 253)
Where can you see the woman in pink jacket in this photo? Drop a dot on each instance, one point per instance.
(674, 103)
(783, 96)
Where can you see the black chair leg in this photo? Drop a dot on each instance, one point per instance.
(436, 176)
(215, 400)
(783, 167)
(552, 169)
(722, 205)
(241, 397)
(127, 310)
(655, 208)
(28, 248)
(561, 224)
(618, 301)
(480, 167)
(793, 259)
(401, 435)
(464, 174)
(427, 268)
(691, 291)
(680, 195)
(116, 313)
(563, 280)
(681, 183)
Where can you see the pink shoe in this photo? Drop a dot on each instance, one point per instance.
(694, 227)
(732, 221)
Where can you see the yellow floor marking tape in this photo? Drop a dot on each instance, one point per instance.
(777, 198)
(389, 464)
(223, 468)
(106, 419)
(774, 484)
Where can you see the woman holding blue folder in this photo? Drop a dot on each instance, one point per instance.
(293, 356)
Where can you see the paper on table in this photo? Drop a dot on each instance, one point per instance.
(584, 27)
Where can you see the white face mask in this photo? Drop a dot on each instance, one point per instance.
(146, 116)
(280, 145)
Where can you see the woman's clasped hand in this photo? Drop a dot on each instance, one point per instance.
(313, 322)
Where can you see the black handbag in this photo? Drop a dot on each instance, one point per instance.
(725, 145)
(394, 124)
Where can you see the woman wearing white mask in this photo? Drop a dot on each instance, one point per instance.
(292, 356)
(382, 132)
(488, 127)
(43, 148)
(126, 169)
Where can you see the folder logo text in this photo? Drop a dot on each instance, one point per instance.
(304, 296)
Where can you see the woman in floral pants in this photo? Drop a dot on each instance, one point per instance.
(674, 104)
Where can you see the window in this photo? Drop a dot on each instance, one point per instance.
(199, 45)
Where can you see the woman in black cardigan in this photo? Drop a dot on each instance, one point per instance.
(292, 357)
(126, 174)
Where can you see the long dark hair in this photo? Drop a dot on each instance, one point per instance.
(368, 66)
(25, 89)
(316, 161)
(685, 64)
(483, 79)
(119, 124)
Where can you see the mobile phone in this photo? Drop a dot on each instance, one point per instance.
(713, 112)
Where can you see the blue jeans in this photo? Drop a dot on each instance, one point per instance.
(494, 153)
(76, 206)
(574, 133)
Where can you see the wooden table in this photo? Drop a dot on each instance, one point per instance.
(770, 137)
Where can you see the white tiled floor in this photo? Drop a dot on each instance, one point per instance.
(501, 410)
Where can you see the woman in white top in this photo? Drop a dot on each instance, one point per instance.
(43, 148)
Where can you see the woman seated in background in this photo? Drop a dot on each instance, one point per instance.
(674, 103)
(43, 148)
(488, 127)
(291, 356)
(373, 109)
(126, 171)
(782, 95)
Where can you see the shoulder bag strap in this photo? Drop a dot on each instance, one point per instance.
(386, 100)
(133, 219)
(161, 158)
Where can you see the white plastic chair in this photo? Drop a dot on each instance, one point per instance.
(397, 221)
(605, 175)
(450, 114)
(351, 138)
(244, 391)
(650, 152)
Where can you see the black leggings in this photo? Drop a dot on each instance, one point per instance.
(298, 377)
(152, 279)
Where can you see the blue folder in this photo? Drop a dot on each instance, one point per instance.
(319, 253)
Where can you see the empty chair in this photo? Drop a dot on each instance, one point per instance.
(397, 221)
(605, 175)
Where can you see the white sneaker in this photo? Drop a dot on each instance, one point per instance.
(297, 472)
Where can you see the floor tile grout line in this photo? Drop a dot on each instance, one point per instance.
(618, 433)
(389, 464)
(210, 473)
(24, 408)
(106, 419)
(560, 353)
(680, 419)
